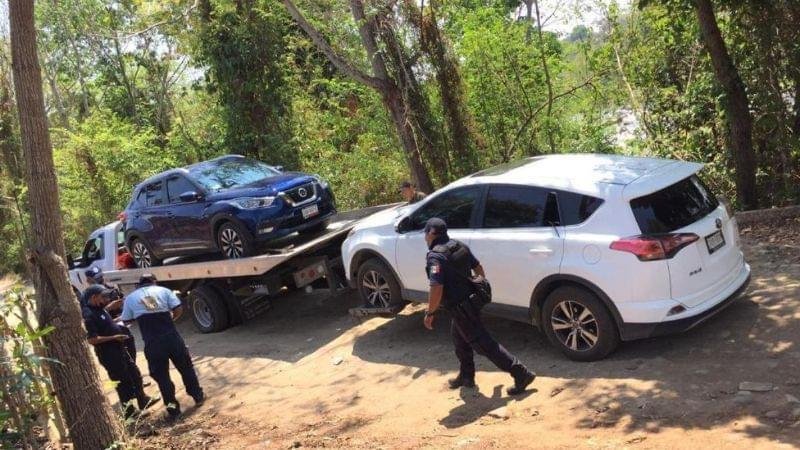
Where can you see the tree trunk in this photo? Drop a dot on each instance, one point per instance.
(91, 422)
(740, 122)
(460, 126)
(550, 140)
(380, 80)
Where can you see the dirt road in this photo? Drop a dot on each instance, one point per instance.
(307, 375)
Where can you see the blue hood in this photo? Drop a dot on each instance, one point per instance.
(268, 186)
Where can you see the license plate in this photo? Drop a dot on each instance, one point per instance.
(310, 211)
(715, 241)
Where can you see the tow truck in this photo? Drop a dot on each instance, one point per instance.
(221, 293)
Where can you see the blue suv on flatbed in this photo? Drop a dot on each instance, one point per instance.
(229, 204)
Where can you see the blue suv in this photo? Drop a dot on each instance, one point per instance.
(229, 204)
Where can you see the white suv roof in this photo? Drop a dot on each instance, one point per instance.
(590, 174)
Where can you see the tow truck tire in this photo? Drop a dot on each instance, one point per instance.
(142, 254)
(207, 306)
(377, 285)
(579, 324)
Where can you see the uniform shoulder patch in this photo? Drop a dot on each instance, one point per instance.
(436, 268)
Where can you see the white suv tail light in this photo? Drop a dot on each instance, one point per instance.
(654, 248)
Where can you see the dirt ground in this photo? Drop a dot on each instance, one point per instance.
(305, 374)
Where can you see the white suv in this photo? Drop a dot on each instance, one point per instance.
(593, 249)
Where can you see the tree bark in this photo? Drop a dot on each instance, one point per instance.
(91, 423)
(390, 93)
(550, 140)
(740, 122)
(393, 99)
(460, 127)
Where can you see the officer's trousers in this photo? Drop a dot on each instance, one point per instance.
(122, 369)
(159, 353)
(470, 336)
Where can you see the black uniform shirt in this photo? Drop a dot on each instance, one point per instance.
(98, 322)
(444, 272)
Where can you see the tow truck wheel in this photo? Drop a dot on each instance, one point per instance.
(142, 255)
(377, 285)
(209, 313)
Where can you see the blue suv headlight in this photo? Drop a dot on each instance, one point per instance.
(252, 202)
(321, 182)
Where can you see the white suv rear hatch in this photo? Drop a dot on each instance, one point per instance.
(711, 262)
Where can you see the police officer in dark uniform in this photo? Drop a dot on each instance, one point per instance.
(155, 309)
(95, 277)
(449, 265)
(109, 338)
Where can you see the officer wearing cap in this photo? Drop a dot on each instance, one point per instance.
(109, 338)
(410, 193)
(449, 265)
(155, 309)
(94, 276)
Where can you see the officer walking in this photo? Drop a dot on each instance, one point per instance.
(449, 265)
(410, 193)
(155, 309)
(109, 339)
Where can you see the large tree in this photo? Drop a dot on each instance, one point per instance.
(737, 106)
(397, 92)
(91, 422)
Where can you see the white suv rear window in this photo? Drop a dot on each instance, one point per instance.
(674, 207)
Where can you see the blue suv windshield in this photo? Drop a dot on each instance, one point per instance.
(231, 174)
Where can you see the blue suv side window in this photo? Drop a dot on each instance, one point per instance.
(155, 194)
(176, 186)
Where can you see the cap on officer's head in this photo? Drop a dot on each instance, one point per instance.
(95, 273)
(146, 280)
(437, 225)
(406, 185)
(93, 290)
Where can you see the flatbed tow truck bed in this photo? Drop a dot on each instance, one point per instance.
(225, 292)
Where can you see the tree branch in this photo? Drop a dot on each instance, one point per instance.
(588, 82)
(346, 67)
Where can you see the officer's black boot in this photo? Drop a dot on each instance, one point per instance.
(173, 411)
(461, 381)
(199, 399)
(146, 401)
(521, 382)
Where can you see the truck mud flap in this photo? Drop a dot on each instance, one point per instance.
(369, 311)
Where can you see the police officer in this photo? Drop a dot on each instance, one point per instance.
(109, 338)
(94, 276)
(155, 309)
(410, 193)
(449, 265)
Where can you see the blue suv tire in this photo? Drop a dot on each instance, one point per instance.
(234, 241)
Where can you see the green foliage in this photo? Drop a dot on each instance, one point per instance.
(98, 164)
(25, 391)
(244, 49)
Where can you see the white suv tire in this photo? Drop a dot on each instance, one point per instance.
(377, 285)
(579, 324)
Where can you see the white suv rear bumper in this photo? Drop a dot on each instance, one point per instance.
(647, 319)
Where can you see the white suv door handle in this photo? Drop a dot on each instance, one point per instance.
(540, 251)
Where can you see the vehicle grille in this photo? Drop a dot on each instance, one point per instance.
(302, 193)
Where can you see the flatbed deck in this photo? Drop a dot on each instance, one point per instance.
(275, 253)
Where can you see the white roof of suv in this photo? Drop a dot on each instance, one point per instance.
(591, 174)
